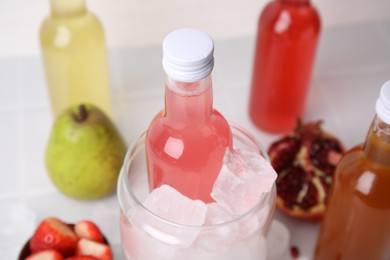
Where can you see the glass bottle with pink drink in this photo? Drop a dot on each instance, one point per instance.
(287, 37)
(186, 142)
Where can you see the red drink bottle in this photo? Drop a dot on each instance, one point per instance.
(186, 142)
(287, 37)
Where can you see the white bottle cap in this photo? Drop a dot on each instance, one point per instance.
(188, 55)
(383, 103)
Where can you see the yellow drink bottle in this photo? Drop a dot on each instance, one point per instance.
(74, 57)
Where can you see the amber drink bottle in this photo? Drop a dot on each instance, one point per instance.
(357, 222)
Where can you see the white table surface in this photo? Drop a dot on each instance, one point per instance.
(352, 64)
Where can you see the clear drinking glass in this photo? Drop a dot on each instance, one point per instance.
(147, 236)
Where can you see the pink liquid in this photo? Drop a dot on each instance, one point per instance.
(287, 36)
(185, 144)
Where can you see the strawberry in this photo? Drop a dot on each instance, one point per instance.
(52, 233)
(98, 250)
(89, 230)
(82, 257)
(49, 254)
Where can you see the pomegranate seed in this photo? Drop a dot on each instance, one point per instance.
(294, 252)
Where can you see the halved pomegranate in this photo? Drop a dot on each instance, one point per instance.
(305, 161)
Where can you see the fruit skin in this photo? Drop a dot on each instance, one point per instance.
(45, 255)
(305, 161)
(54, 234)
(84, 153)
(88, 230)
(98, 250)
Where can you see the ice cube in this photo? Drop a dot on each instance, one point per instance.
(248, 225)
(243, 178)
(168, 203)
(216, 214)
(217, 238)
(138, 244)
(170, 208)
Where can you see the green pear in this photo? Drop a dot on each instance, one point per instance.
(85, 153)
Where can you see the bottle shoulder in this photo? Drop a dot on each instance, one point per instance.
(302, 17)
(65, 32)
(355, 164)
(216, 120)
(366, 181)
(351, 161)
(78, 24)
(216, 125)
(163, 132)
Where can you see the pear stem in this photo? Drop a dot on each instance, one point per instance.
(81, 115)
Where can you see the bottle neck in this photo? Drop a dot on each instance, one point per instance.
(67, 8)
(188, 101)
(377, 145)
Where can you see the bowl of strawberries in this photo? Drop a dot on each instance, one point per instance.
(54, 239)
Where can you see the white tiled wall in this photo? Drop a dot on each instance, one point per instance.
(146, 22)
(10, 150)
(352, 63)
